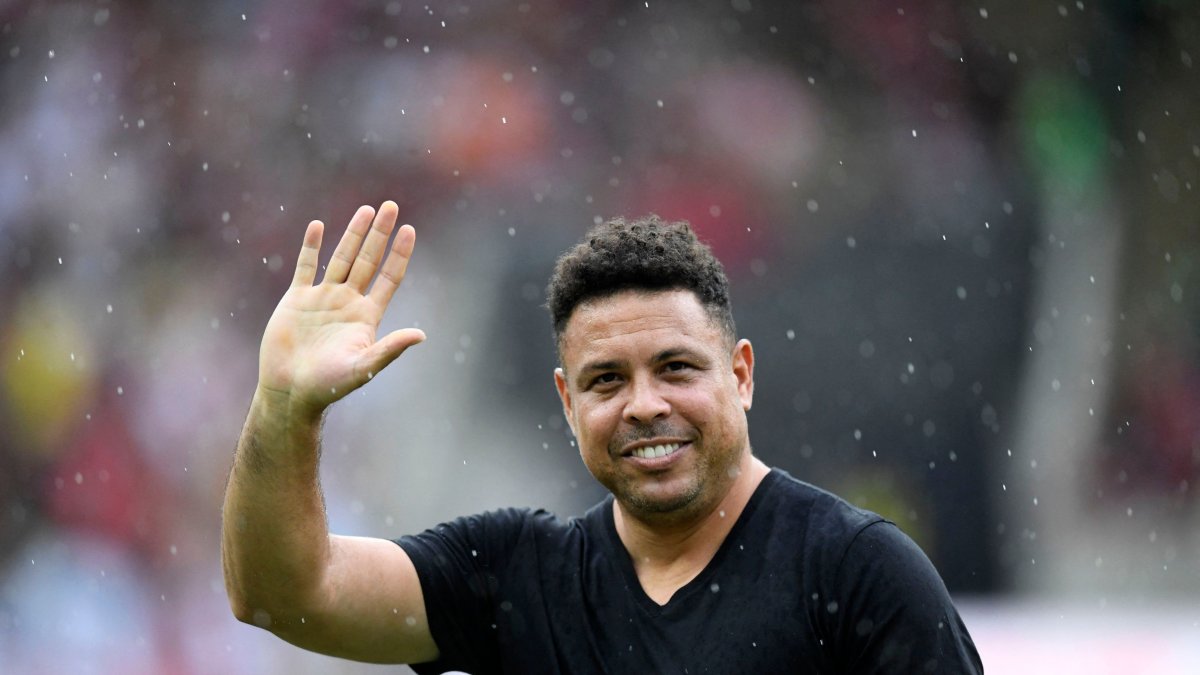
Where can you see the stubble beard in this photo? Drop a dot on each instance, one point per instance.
(637, 495)
(638, 500)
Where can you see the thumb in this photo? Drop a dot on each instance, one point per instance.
(389, 347)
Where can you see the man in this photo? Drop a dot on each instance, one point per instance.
(703, 560)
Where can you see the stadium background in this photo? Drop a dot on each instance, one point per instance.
(963, 238)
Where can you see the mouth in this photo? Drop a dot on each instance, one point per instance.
(656, 451)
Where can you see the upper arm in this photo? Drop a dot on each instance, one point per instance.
(369, 607)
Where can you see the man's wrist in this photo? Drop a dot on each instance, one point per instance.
(285, 406)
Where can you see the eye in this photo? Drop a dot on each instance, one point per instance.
(604, 379)
(676, 366)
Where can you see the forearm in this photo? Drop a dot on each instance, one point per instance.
(275, 539)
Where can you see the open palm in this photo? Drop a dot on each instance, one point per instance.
(320, 343)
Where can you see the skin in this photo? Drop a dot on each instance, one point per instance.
(649, 368)
(353, 597)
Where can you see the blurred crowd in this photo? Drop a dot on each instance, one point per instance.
(964, 239)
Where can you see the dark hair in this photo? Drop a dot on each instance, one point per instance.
(648, 254)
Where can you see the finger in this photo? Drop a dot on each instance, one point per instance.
(373, 247)
(392, 272)
(347, 248)
(306, 266)
(388, 348)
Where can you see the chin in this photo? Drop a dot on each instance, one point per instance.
(660, 502)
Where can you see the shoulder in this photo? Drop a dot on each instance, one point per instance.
(789, 491)
(892, 612)
(840, 534)
(882, 555)
(828, 522)
(877, 599)
(484, 537)
(505, 521)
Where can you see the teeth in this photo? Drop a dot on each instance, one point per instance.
(656, 451)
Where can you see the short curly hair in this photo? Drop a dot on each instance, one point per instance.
(648, 254)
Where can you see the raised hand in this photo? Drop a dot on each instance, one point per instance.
(320, 343)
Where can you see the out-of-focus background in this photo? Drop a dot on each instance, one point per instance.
(964, 238)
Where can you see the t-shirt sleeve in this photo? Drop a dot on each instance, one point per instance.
(460, 564)
(896, 614)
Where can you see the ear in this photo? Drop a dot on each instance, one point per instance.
(564, 395)
(743, 371)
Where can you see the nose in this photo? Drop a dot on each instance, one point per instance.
(645, 403)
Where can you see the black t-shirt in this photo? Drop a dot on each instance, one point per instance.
(803, 583)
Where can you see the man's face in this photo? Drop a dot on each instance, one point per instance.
(648, 373)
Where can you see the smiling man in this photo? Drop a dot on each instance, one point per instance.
(702, 560)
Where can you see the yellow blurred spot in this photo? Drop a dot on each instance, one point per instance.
(47, 374)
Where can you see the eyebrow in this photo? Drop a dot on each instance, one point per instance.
(597, 366)
(668, 354)
(664, 355)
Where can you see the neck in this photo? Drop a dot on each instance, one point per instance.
(691, 538)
